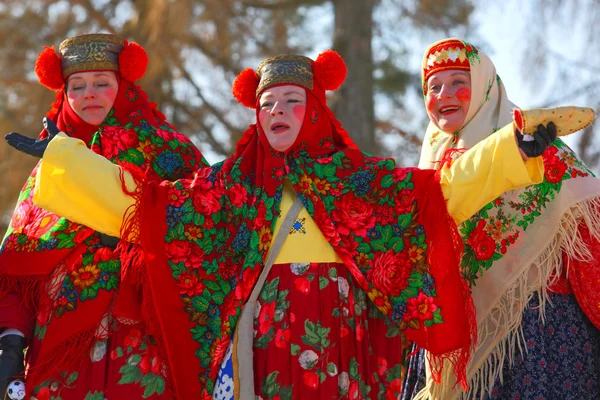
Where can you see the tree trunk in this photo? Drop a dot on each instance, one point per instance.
(352, 39)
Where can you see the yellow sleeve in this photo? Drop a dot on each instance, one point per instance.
(486, 171)
(82, 186)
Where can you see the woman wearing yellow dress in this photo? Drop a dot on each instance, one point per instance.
(532, 256)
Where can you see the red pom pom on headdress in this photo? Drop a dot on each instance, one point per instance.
(49, 70)
(133, 61)
(330, 70)
(244, 87)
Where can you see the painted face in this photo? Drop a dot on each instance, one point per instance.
(281, 114)
(92, 94)
(448, 98)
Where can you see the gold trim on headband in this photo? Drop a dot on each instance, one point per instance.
(444, 55)
(292, 69)
(92, 52)
(91, 38)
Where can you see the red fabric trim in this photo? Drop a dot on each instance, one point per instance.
(584, 277)
(518, 118)
(459, 330)
(167, 321)
(14, 315)
(449, 156)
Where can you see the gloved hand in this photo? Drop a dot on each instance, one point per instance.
(11, 360)
(31, 146)
(542, 138)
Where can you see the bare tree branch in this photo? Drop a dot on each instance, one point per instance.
(563, 98)
(96, 15)
(217, 147)
(389, 128)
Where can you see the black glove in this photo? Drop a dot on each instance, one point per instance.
(31, 146)
(109, 241)
(11, 360)
(542, 138)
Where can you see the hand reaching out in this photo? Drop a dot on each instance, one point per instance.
(542, 138)
(31, 146)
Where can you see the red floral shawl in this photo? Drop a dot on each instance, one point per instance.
(205, 242)
(59, 269)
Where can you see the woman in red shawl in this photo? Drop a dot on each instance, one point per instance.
(59, 280)
(294, 268)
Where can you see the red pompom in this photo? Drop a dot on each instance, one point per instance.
(133, 61)
(330, 70)
(48, 69)
(244, 87)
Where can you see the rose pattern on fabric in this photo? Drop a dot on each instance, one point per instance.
(489, 233)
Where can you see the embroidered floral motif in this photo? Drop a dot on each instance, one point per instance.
(472, 53)
(488, 90)
(298, 226)
(490, 232)
(314, 115)
(328, 351)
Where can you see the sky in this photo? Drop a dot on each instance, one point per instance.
(501, 24)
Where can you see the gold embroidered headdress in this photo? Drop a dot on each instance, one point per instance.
(93, 52)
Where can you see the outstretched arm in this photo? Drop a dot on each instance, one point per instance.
(75, 182)
(82, 186)
(490, 168)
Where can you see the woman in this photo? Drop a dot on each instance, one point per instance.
(59, 280)
(295, 267)
(538, 330)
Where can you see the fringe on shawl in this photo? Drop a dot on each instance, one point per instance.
(72, 352)
(66, 356)
(33, 289)
(457, 361)
(503, 324)
(134, 266)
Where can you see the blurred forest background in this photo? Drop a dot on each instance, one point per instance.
(551, 49)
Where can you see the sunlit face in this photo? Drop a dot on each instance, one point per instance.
(448, 98)
(92, 94)
(282, 110)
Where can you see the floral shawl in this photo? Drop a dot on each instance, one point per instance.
(205, 242)
(514, 246)
(60, 270)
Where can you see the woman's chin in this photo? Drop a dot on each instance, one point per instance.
(449, 126)
(93, 121)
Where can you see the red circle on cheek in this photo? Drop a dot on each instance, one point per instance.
(431, 101)
(261, 115)
(463, 94)
(112, 92)
(299, 111)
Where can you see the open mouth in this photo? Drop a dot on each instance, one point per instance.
(447, 110)
(91, 108)
(279, 127)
